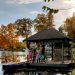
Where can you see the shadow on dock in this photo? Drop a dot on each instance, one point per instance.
(34, 67)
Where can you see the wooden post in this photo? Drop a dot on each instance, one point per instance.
(28, 44)
(62, 53)
(71, 50)
(34, 73)
(52, 49)
(69, 53)
(43, 50)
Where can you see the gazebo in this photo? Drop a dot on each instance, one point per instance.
(59, 43)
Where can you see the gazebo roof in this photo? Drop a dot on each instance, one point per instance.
(48, 34)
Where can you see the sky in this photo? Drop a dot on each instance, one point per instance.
(11, 10)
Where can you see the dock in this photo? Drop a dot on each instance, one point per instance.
(37, 67)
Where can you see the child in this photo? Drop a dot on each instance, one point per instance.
(30, 57)
(41, 58)
(37, 56)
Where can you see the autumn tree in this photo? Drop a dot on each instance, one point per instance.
(3, 29)
(69, 26)
(3, 40)
(23, 26)
(9, 41)
(43, 21)
(50, 19)
(40, 22)
(8, 38)
(11, 36)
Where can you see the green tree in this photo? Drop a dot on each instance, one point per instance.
(48, 8)
(61, 28)
(23, 26)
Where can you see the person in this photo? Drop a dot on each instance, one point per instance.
(34, 55)
(30, 57)
(37, 56)
(42, 57)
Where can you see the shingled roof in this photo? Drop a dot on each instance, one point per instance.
(48, 34)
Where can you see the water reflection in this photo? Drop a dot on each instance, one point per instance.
(39, 73)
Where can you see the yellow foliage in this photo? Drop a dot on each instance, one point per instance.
(23, 44)
(73, 72)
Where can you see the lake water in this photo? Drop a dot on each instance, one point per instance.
(42, 73)
(1, 72)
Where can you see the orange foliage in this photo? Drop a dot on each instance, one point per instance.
(10, 27)
(8, 39)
